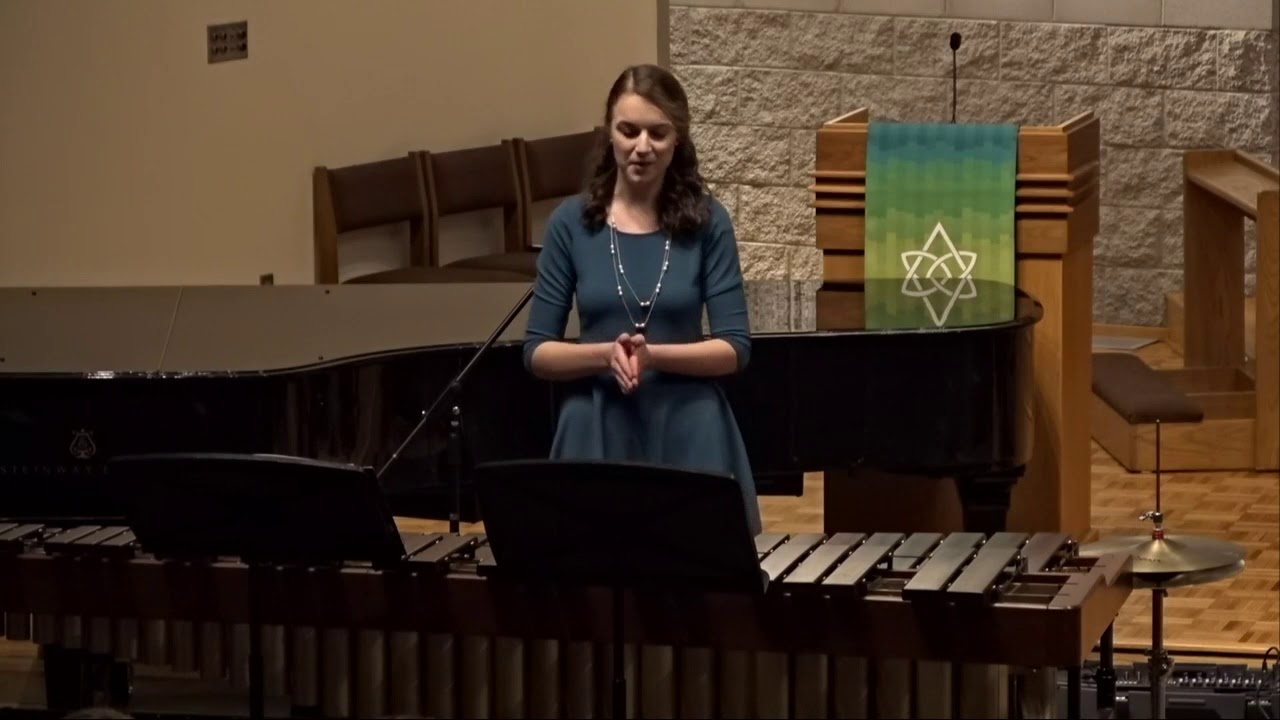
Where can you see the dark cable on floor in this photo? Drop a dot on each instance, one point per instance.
(1263, 684)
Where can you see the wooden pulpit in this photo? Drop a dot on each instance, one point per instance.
(1056, 220)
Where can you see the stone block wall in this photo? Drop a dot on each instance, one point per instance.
(1163, 75)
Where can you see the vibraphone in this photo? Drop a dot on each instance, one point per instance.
(851, 625)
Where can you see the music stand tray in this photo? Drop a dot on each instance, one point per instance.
(266, 510)
(621, 525)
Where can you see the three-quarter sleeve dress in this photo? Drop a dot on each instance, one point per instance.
(669, 419)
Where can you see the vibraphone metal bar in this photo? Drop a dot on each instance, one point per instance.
(886, 624)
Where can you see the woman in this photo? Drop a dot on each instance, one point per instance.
(644, 249)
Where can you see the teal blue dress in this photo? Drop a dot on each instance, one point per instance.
(669, 419)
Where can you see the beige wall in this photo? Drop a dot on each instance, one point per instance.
(126, 159)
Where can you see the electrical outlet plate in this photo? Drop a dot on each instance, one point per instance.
(228, 41)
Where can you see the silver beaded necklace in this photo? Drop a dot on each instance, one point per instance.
(620, 276)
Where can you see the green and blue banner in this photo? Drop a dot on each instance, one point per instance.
(940, 224)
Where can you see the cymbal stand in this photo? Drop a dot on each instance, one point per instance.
(1104, 678)
(1156, 516)
(1162, 562)
(1160, 664)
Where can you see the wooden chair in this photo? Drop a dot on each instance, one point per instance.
(554, 167)
(367, 195)
(474, 179)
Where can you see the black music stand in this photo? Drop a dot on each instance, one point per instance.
(625, 526)
(267, 510)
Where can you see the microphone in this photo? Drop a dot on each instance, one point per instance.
(455, 424)
(955, 45)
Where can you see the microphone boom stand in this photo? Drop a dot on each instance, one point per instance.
(455, 422)
(955, 45)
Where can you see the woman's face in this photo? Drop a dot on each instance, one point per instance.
(644, 139)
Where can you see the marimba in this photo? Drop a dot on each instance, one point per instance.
(851, 625)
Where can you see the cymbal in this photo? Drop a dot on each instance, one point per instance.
(1173, 555)
(1187, 579)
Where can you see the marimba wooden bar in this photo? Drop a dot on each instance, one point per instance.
(902, 624)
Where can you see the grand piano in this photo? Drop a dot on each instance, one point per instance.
(344, 373)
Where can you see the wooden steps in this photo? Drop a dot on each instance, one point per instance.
(1223, 440)
(1230, 344)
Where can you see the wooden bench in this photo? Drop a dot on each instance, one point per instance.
(1203, 414)
(1139, 393)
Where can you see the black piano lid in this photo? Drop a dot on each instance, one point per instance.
(153, 332)
(234, 331)
(341, 373)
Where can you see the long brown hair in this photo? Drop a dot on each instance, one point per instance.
(683, 201)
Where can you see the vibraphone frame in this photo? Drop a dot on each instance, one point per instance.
(945, 603)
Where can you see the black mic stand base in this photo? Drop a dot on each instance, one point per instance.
(257, 693)
(455, 459)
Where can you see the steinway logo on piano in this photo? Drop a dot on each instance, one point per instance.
(49, 462)
(82, 447)
(945, 279)
(29, 470)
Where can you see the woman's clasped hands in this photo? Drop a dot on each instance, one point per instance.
(628, 359)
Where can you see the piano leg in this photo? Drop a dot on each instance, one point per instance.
(984, 502)
(863, 499)
(1074, 688)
